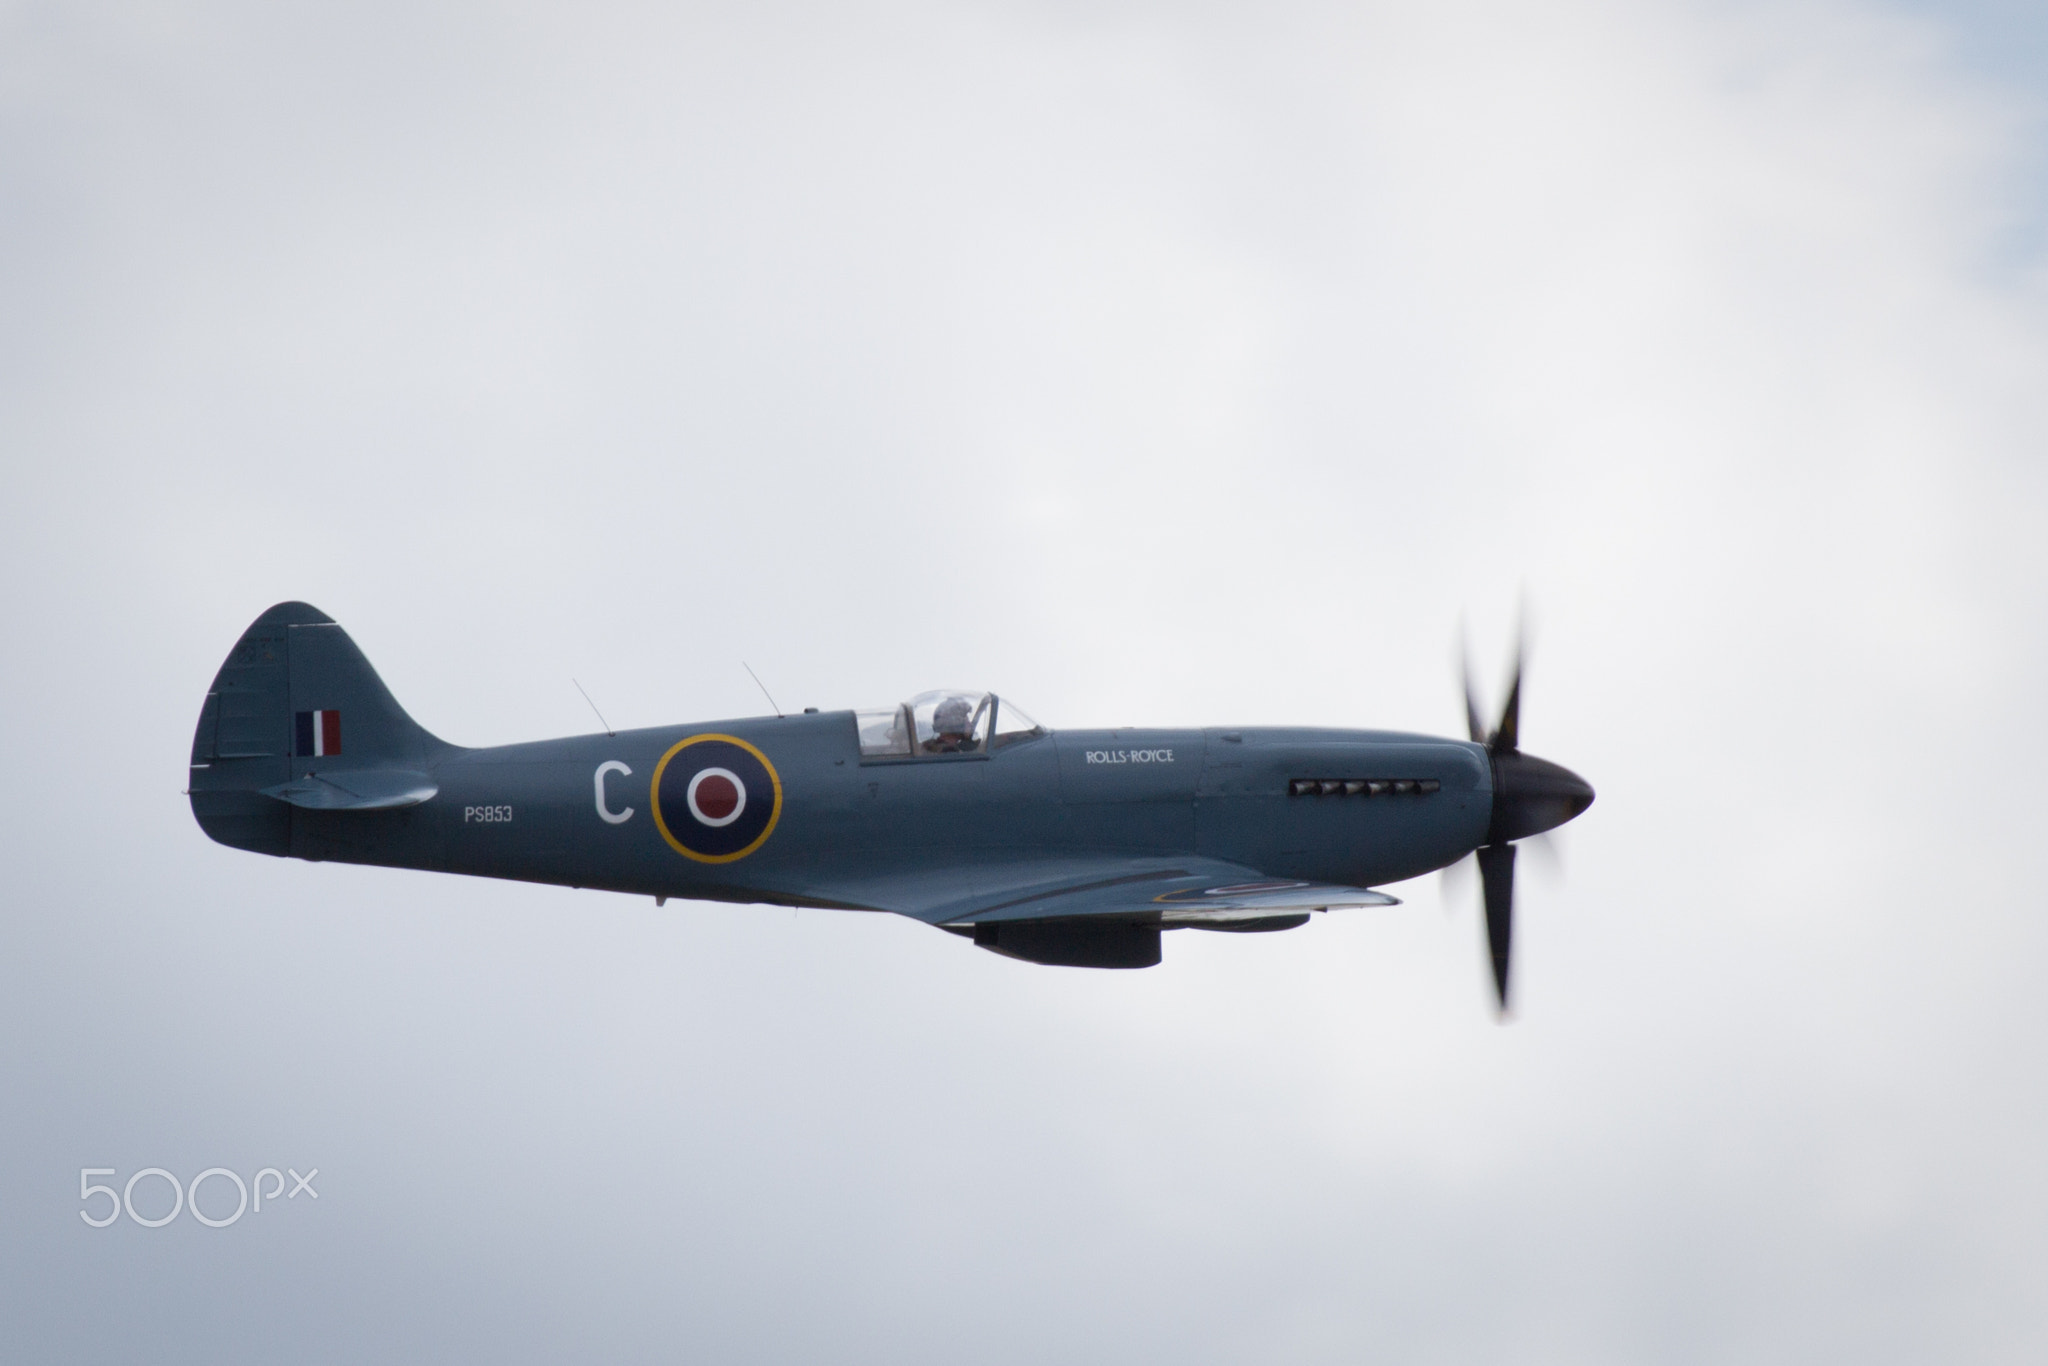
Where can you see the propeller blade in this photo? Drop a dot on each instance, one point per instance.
(1507, 736)
(1457, 881)
(1497, 883)
(1530, 796)
(1473, 725)
(1548, 852)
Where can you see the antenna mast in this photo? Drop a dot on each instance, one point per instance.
(594, 711)
(762, 686)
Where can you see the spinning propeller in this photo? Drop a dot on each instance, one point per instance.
(1530, 796)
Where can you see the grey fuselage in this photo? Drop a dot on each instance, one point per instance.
(855, 832)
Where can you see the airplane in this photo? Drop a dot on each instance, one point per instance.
(1075, 848)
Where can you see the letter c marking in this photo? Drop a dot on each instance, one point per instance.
(609, 816)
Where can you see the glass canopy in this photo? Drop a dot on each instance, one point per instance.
(945, 721)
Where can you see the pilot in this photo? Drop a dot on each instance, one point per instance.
(952, 724)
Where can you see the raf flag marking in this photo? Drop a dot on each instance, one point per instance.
(319, 734)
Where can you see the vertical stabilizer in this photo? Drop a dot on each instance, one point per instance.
(294, 696)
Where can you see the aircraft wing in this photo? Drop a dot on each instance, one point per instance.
(1193, 892)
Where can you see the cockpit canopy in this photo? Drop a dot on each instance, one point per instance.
(946, 721)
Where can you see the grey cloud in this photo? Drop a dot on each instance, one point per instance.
(1149, 366)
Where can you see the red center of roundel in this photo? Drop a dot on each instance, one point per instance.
(716, 797)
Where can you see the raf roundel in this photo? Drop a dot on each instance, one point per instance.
(716, 798)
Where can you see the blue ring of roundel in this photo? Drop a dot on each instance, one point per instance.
(715, 841)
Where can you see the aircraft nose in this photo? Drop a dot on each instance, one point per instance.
(1531, 795)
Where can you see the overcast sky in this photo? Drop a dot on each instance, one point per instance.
(1149, 364)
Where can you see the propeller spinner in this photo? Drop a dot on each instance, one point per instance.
(1530, 796)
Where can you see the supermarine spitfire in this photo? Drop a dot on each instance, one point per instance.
(1068, 847)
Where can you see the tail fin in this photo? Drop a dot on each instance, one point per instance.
(295, 697)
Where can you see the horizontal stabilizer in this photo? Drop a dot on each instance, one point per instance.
(368, 789)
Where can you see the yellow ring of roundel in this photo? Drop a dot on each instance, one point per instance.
(654, 800)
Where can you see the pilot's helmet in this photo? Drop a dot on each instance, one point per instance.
(952, 716)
